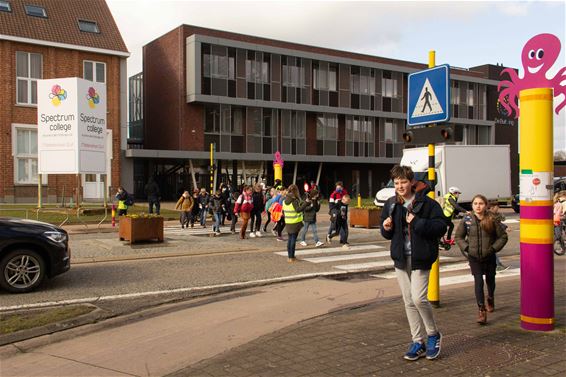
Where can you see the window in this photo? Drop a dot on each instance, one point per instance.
(324, 76)
(389, 134)
(5, 6)
(25, 154)
(94, 71)
(36, 11)
(455, 92)
(470, 94)
(88, 26)
(388, 85)
(28, 70)
(219, 67)
(256, 69)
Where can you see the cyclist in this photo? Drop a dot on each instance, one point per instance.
(450, 208)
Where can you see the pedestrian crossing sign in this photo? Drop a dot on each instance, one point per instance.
(429, 96)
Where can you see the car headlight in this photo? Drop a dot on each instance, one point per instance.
(56, 236)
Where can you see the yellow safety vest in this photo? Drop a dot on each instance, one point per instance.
(448, 208)
(292, 216)
(122, 204)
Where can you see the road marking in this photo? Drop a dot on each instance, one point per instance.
(241, 285)
(335, 258)
(329, 250)
(383, 263)
(443, 268)
(510, 221)
(450, 280)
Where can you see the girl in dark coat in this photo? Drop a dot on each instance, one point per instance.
(293, 208)
(479, 237)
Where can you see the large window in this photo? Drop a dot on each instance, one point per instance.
(28, 71)
(325, 76)
(293, 130)
(25, 154)
(360, 139)
(327, 134)
(94, 71)
(388, 85)
(257, 70)
(390, 142)
(218, 70)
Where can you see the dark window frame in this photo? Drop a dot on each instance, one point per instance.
(82, 22)
(30, 8)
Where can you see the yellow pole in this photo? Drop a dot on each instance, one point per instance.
(39, 201)
(359, 200)
(434, 277)
(211, 169)
(536, 226)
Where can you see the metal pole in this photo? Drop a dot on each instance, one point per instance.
(295, 172)
(536, 227)
(211, 168)
(434, 277)
(193, 174)
(78, 190)
(319, 171)
(244, 172)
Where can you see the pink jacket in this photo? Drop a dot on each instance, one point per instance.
(244, 204)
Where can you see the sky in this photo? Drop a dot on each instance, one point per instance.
(463, 34)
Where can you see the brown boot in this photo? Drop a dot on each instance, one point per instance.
(482, 316)
(490, 305)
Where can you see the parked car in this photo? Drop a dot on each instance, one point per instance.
(29, 252)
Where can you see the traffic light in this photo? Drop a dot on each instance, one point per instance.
(435, 134)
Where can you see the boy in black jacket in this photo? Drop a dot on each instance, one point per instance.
(414, 223)
(341, 222)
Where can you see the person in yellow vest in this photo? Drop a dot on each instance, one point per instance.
(123, 200)
(293, 209)
(450, 208)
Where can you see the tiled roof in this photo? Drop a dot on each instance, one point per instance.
(61, 24)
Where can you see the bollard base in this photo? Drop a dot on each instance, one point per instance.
(436, 304)
(536, 326)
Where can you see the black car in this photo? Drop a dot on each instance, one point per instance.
(30, 251)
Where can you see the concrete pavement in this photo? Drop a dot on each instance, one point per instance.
(318, 327)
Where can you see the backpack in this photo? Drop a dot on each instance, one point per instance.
(129, 200)
(276, 211)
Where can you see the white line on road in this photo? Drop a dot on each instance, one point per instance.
(510, 221)
(450, 280)
(443, 268)
(330, 250)
(335, 258)
(383, 263)
(246, 284)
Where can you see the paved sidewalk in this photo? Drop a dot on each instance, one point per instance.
(370, 341)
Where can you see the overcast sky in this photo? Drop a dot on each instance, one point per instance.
(464, 34)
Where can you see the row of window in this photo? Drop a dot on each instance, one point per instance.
(29, 69)
(38, 11)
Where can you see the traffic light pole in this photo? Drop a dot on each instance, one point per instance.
(434, 277)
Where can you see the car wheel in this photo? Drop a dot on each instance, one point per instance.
(21, 271)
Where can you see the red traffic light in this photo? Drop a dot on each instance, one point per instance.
(408, 137)
(446, 133)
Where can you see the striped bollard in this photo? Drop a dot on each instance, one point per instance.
(536, 227)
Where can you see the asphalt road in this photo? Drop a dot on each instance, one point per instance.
(161, 276)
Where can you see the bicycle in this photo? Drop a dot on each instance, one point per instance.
(560, 239)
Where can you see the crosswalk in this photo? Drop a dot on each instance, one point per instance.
(196, 231)
(375, 256)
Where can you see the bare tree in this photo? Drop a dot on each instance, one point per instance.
(560, 156)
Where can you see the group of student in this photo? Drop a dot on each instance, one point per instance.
(282, 206)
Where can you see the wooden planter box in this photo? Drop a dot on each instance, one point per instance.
(368, 218)
(136, 229)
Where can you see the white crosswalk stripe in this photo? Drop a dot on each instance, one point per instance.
(196, 231)
(382, 263)
(324, 250)
(335, 258)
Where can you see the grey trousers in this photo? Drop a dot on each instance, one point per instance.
(414, 287)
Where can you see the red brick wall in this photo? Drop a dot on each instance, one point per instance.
(57, 62)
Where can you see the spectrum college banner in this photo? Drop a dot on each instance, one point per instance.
(71, 123)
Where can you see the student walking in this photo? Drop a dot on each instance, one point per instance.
(268, 202)
(244, 207)
(185, 204)
(258, 200)
(203, 202)
(292, 209)
(414, 223)
(333, 207)
(341, 221)
(479, 236)
(277, 213)
(309, 218)
(217, 207)
(196, 209)
(230, 204)
(450, 208)
(124, 201)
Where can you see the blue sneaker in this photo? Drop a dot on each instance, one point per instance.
(416, 351)
(433, 346)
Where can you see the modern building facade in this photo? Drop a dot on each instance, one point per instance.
(44, 39)
(333, 115)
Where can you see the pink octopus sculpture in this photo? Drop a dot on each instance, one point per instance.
(538, 56)
(278, 159)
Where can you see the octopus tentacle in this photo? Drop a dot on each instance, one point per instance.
(512, 75)
(510, 105)
(504, 83)
(558, 88)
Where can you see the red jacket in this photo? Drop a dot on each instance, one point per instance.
(244, 204)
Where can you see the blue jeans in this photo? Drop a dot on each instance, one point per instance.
(203, 213)
(291, 241)
(216, 225)
(306, 229)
